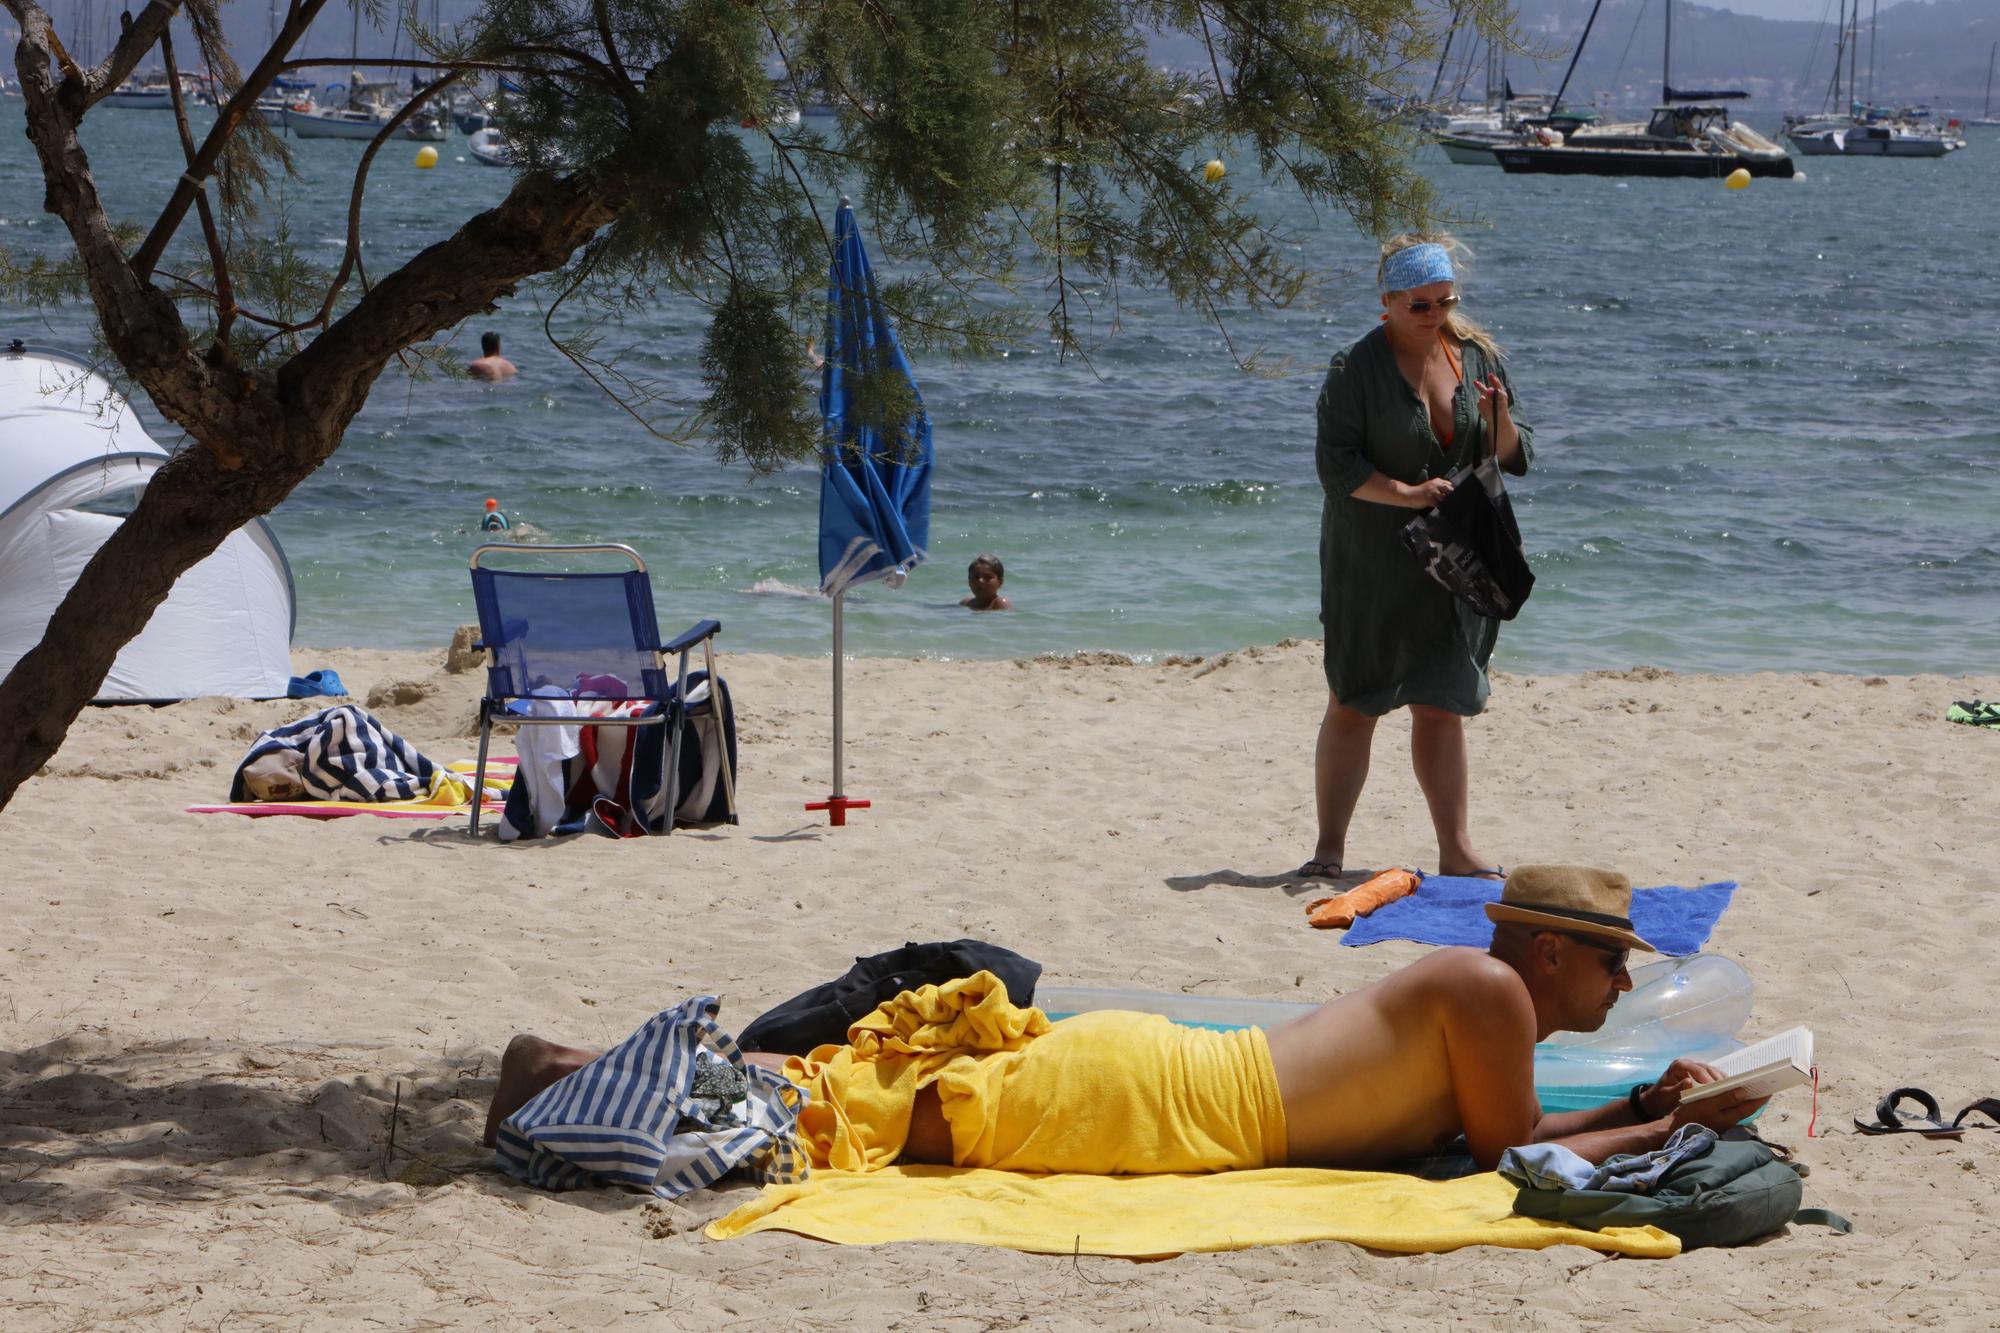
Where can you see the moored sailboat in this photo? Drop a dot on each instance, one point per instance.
(1689, 134)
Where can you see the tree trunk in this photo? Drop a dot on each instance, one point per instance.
(256, 435)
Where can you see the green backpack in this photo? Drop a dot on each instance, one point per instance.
(1733, 1193)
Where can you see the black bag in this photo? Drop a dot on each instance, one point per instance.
(1733, 1193)
(822, 1015)
(1471, 544)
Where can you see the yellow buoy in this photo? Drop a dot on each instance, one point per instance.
(427, 157)
(1738, 179)
(1213, 171)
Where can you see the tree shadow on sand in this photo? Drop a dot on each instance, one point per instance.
(89, 1124)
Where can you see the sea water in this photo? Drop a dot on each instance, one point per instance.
(1766, 431)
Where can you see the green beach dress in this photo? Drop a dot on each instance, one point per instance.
(1394, 636)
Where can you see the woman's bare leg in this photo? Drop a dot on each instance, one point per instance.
(1438, 753)
(1340, 770)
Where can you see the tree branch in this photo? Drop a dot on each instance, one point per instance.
(138, 37)
(202, 165)
(218, 254)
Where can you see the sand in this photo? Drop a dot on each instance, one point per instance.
(209, 1024)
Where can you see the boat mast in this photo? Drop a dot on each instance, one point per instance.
(1989, 79)
(1853, 56)
(1667, 56)
(1577, 55)
(1874, 13)
(1444, 55)
(1839, 58)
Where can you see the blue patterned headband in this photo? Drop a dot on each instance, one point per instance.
(1417, 266)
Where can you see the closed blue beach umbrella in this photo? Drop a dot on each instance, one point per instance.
(875, 481)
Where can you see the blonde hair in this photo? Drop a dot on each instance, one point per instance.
(1460, 325)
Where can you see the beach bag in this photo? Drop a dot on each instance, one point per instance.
(612, 784)
(1471, 544)
(1735, 1192)
(670, 1109)
(822, 1015)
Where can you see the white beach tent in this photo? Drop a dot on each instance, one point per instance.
(73, 462)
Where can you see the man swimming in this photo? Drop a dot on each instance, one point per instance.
(1398, 1069)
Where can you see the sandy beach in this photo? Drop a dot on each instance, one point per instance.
(209, 1025)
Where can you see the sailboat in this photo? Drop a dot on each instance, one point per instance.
(1690, 134)
(1986, 116)
(1865, 131)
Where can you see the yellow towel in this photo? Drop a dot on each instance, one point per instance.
(1144, 1216)
(1108, 1093)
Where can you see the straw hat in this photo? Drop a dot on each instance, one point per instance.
(1577, 899)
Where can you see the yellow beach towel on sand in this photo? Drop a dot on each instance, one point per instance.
(1109, 1133)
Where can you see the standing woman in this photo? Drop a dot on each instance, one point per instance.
(1423, 394)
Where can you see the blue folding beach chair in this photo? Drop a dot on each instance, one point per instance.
(587, 636)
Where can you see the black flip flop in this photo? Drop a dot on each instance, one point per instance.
(1889, 1121)
(1986, 1106)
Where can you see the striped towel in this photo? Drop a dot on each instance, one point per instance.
(349, 756)
(634, 1116)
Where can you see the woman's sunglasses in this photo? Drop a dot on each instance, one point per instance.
(1444, 303)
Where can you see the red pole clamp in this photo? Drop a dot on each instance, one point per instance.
(836, 808)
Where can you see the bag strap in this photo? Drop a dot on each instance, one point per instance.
(1823, 1217)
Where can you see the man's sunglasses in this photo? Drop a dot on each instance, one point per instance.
(1444, 303)
(1614, 958)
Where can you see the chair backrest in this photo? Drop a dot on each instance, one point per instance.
(591, 634)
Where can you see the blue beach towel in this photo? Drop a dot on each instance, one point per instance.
(1449, 910)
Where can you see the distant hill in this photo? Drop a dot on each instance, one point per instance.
(1930, 50)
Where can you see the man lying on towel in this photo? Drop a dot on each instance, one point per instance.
(957, 1075)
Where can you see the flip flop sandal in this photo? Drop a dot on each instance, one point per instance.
(1986, 1106)
(1890, 1121)
(1318, 870)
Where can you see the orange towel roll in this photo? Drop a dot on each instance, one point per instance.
(1341, 909)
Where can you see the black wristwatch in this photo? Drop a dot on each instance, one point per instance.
(1636, 1100)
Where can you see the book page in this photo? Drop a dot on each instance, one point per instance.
(1772, 1065)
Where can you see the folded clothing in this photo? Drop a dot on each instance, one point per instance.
(1108, 1092)
(1449, 910)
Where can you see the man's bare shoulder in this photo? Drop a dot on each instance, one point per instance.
(1467, 974)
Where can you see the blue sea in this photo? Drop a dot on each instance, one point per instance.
(1766, 432)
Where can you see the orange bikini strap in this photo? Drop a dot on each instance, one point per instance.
(1451, 355)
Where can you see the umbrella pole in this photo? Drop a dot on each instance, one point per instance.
(838, 804)
(839, 659)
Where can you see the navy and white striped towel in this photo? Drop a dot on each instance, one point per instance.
(349, 756)
(624, 1118)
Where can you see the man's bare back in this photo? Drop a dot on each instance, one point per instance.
(1367, 1079)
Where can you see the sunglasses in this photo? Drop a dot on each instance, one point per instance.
(1445, 303)
(1615, 958)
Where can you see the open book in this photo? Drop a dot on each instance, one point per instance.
(1772, 1065)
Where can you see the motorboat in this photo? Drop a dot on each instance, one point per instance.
(1867, 138)
(489, 147)
(426, 126)
(355, 121)
(152, 95)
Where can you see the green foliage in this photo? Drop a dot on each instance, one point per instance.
(756, 410)
(1010, 161)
